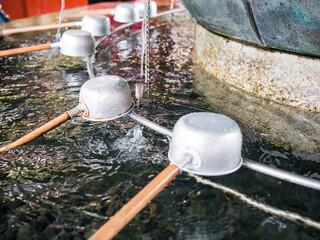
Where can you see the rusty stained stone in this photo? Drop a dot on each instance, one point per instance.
(285, 78)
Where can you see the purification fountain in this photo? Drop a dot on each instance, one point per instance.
(68, 182)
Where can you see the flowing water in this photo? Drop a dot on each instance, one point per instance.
(68, 182)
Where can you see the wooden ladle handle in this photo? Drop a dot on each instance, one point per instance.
(37, 132)
(7, 32)
(136, 204)
(83, 13)
(25, 49)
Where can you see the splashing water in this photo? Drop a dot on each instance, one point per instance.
(133, 143)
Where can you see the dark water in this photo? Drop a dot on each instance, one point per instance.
(68, 182)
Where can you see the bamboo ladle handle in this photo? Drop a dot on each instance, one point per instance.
(106, 11)
(25, 49)
(136, 204)
(37, 132)
(7, 32)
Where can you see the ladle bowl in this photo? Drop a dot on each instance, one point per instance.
(96, 24)
(105, 98)
(153, 8)
(213, 140)
(126, 13)
(77, 43)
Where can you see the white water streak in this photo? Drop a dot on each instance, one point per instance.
(172, 4)
(143, 37)
(58, 34)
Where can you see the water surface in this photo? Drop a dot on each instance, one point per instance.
(68, 182)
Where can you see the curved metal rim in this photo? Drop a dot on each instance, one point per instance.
(133, 22)
(110, 118)
(232, 170)
(212, 175)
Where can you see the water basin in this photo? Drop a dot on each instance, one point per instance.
(67, 183)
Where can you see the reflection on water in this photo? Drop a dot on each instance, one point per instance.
(66, 183)
(275, 122)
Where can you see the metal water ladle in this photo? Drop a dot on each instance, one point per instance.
(122, 27)
(97, 24)
(102, 98)
(129, 24)
(141, 6)
(72, 51)
(76, 43)
(216, 136)
(202, 143)
(126, 13)
(81, 41)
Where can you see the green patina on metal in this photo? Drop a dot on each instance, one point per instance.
(288, 25)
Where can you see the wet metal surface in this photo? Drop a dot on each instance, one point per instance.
(290, 25)
(229, 18)
(67, 183)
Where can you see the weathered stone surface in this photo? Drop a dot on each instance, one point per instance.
(279, 124)
(275, 94)
(285, 78)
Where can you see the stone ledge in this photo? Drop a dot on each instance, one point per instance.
(286, 78)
